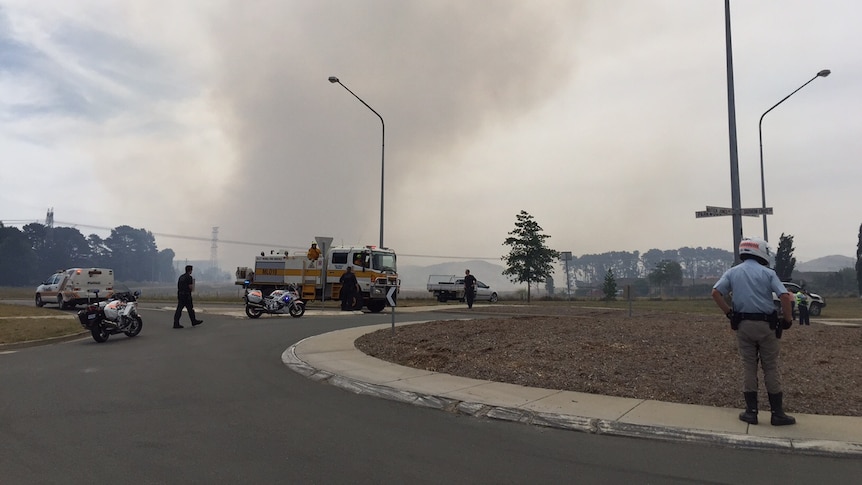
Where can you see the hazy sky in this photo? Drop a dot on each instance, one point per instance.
(605, 120)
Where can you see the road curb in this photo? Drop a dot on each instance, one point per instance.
(570, 422)
(45, 341)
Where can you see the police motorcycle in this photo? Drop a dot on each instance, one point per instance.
(117, 314)
(277, 302)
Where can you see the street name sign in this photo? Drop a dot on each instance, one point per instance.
(713, 211)
(756, 211)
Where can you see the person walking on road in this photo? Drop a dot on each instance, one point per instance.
(469, 288)
(754, 319)
(185, 287)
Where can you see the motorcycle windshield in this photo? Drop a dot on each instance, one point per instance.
(384, 262)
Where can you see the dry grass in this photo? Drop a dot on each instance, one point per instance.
(20, 323)
(13, 330)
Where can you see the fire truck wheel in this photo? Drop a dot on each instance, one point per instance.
(376, 306)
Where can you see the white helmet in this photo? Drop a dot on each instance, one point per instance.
(757, 248)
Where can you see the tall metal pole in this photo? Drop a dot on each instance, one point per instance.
(734, 160)
(823, 73)
(334, 79)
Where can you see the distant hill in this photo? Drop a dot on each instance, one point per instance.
(826, 264)
(416, 277)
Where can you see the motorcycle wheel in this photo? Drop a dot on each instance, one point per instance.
(296, 310)
(135, 327)
(253, 312)
(100, 334)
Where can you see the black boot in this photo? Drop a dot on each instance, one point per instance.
(778, 416)
(750, 413)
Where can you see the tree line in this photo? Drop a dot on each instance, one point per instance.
(30, 254)
(530, 261)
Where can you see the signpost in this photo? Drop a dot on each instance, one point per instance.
(390, 297)
(323, 243)
(566, 256)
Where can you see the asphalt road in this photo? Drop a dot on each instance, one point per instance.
(215, 404)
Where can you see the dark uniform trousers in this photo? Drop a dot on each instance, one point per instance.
(184, 300)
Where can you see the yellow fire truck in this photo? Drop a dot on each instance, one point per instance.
(375, 269)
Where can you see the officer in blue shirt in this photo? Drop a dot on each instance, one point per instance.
(756, 322)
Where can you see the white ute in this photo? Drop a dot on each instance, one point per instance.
(75, 286)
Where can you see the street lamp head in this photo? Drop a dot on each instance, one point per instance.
(822, 73)
(334, 79)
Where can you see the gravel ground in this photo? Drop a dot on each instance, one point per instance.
(673, 357)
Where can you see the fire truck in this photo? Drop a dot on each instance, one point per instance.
(375, 269)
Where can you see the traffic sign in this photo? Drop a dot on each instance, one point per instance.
(390, 294)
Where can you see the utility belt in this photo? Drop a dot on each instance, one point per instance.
(771, 318)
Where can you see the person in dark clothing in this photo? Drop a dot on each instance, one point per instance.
(469, 288)
(349, 289)
(185, 287)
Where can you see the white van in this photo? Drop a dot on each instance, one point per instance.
(75, 286)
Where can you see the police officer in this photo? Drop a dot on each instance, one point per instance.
(802, 305)
(757, 324)
(349, 289)
(469, 288)
(185, 287)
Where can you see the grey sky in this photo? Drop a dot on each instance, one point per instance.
(607, 121)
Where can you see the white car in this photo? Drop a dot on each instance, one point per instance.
(483, 291)
(76, 286)
(816, 303)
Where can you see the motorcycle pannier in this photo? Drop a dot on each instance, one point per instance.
(91, 316)
(255, 296)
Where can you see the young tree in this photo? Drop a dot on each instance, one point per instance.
(859, 262)
(785, 263)
(529, 260)
(610, 286)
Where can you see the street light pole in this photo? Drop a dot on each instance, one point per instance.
(334, 80)
(735, 203)
(822, 73)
